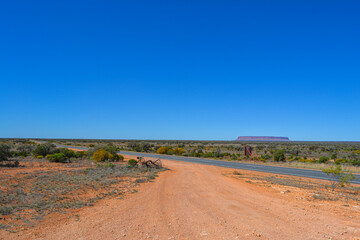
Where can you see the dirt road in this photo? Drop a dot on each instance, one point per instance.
(198, 202)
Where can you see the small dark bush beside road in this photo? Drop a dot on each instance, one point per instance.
(5, 153)
(132, 163)
(279, 156)
(58, 157)
(44, 149)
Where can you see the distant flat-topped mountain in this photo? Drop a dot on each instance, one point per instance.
(263, 138)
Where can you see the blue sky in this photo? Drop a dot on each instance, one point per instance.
(180, 69)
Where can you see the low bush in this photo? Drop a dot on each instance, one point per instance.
(323, 159)
(44, 149)
(67, 152)
(217, 153)
(196, 154)
(132, 163)
(24, 150)
(339, 177)
(58, 157)
(4, 152)
(140, 147)
(355, 162)
(165, 150)
(80, 154)
(110, 153)
(265, 156)
(340, 160)
(179, 151)
(310, 160)
(209, 155)
(236, 173)
(279, 156)
(102, 155)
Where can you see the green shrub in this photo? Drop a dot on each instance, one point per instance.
(310, 160)
(132, 163)
(113, 151)
(339, 177)
(179, 151)
(140, 147)
(323, 159)
(80, 154)
(340, 160)
(21, 154)
(265, 156)
(355, 162)
(102, 155)
(44, 149)
(279, 156)
(165, 150)
(110, 149)
(4, 152)
(24, 150)
(209, 155)
(58, 157)
(68, 153)
(217, 153)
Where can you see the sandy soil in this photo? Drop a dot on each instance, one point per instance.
(192, 201)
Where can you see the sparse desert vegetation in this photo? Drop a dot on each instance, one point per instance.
(313, 155)
(50, 179)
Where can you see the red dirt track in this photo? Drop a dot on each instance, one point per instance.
(192, 201)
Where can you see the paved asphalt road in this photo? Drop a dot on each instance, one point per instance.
(246, 166)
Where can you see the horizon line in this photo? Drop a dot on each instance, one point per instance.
(198, 140)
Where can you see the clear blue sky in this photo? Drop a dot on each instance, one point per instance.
(180, 69)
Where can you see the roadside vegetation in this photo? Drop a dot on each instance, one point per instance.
(340, 178)
(313, 155)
